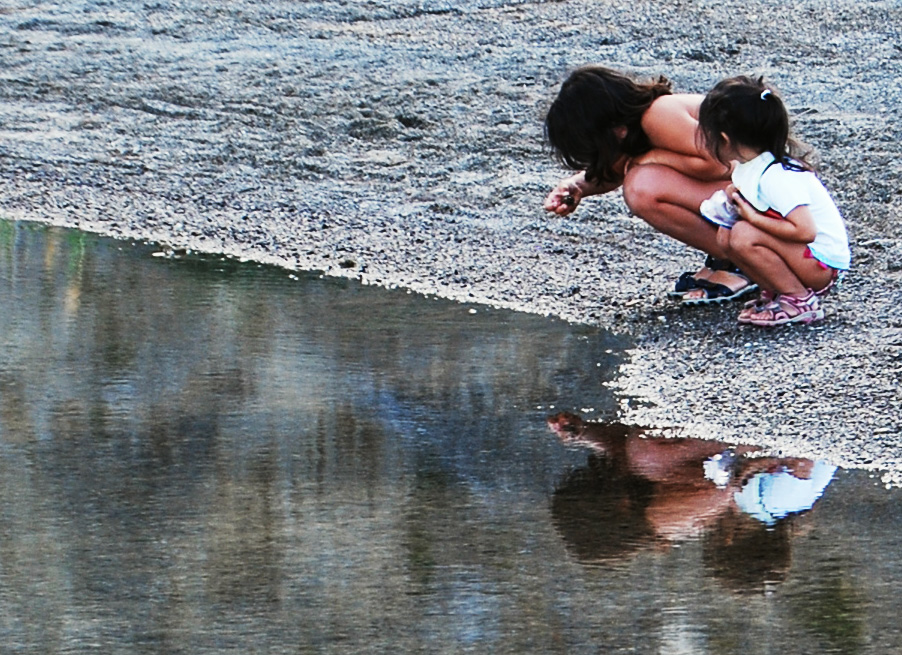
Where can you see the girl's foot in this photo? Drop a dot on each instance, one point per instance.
(721, 286)
(787, 308)
(692, 279)
(757, 305)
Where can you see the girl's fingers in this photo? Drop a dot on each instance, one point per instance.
(742, 204)
(561, 201)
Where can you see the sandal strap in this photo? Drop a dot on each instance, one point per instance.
(717, 264)
(807, 301)
(767, 296)
(708, 284)
(781, 305)
(686, 282)
(834, 280)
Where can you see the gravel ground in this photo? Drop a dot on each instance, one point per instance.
(399, 142)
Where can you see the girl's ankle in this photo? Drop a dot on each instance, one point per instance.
(805, 295)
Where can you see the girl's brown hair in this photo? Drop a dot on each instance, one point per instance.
(749, 114)
(581, 124)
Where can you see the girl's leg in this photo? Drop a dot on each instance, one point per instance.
(777, 265)
(782, 268)
(669, 200)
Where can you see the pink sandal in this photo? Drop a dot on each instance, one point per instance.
(788, 309)
(768, 296)
(757, 305)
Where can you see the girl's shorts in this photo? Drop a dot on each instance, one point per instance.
(835, 276)
(809, 255)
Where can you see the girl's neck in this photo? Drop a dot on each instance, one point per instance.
(744, 153)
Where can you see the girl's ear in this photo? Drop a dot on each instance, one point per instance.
(726, 147)
(621, 131)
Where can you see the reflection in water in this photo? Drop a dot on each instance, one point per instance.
(640, 490)
(207, 457)
(203, 456)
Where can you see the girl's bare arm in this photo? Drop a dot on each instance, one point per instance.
(566, 196)
(671, 124)
(796, 227)
(701, 168)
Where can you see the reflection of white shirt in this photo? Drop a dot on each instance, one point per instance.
(772, 496)
(767, 185)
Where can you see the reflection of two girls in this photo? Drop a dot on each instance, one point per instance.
(639, 491)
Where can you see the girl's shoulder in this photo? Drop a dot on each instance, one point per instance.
(780, 169)
(668, 106)
(787, 183)
(671, 122)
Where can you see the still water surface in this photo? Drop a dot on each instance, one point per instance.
(203, 456)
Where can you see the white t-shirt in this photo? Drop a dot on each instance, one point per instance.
(767, 185)
(773, 496)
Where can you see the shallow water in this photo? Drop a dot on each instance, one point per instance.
(204, 456)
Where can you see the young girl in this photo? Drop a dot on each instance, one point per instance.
(789, 237)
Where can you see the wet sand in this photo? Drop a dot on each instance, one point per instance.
(400, 143)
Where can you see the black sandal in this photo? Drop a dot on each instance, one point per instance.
(715, 292)
(688, 282)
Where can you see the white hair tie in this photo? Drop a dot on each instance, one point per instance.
(765, 93)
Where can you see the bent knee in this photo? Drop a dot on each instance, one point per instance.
(743, 236)
(640, 190)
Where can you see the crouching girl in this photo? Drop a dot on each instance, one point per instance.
(788, 235)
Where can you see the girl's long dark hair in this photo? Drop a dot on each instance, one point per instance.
(581, 124)
(752, 115)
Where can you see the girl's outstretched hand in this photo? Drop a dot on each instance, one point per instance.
(565, 197)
